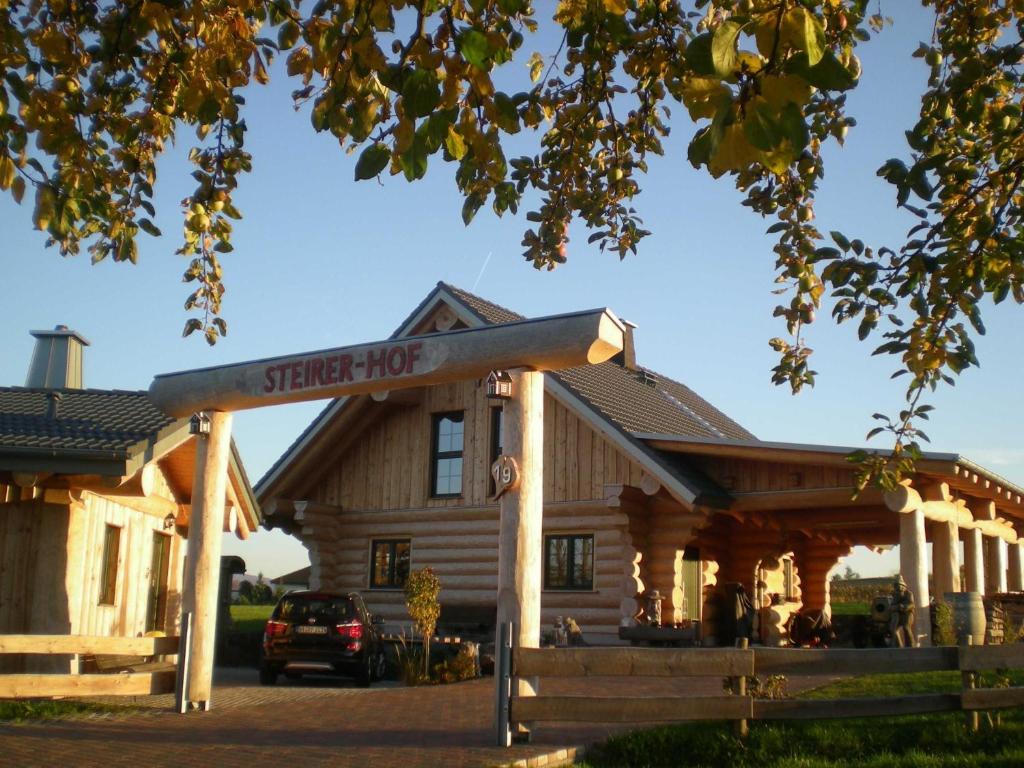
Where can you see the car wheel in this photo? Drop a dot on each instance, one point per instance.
(267, 676)
(365, 675)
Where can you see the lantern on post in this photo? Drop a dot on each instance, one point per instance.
(199, 424)
(499, 385)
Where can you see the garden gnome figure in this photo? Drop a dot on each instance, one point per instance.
(653, 610)
(901, 620)
(561, 635)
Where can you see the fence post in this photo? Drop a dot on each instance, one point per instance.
(739, 686)
(181, 683)
(503, 683)
(970, 681)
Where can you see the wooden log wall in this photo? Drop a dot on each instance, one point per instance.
(815, 562)
(381, 485)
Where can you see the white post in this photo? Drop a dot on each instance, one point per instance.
(995, 565)
(202, 574)
(1015, 574)
(520, 542)
(945, 558)
(914, 569)
(974, 561)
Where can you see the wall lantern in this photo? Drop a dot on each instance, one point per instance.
(199, 424)
(168, 522)
(499, 385)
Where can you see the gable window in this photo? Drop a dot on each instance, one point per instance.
(496, 443)
(111, 550)
(389, 563)
(569, 561)
(446, 454)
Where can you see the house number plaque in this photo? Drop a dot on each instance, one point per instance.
(505, 472)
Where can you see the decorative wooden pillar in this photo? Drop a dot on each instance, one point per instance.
(202, 574)
(1015, 571)
(914, 569)
(520, 540)
(974, 561)
(945, 558)
(995, 565)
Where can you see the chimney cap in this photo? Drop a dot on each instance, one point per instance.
(62, 330)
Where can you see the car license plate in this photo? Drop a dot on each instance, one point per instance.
(306, 630)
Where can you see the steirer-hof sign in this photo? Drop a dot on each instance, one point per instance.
(547, 343)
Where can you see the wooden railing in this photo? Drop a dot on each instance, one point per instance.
(738, 664)
(157, 678)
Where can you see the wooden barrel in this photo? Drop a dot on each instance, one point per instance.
(968, 616)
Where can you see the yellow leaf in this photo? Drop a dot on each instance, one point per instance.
(701, 96)
(734, 152)
(536, 64)
(618, 7)
(454, 143)
(779, 91)
(7, 172)
(18, 189)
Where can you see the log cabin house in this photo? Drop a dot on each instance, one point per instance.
(646, 487)
(95, 493)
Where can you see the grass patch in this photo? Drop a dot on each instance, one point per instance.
(47, 709)
(851, 609)
(250, 618)
(920, 741)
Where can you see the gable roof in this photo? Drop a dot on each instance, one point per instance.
(110, 422)
(96, 431)
(620, 402)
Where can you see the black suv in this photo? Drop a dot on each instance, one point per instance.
(322, 633)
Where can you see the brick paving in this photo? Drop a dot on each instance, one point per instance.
(319, 723)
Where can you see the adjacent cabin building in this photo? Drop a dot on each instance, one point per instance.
(646, 487)
(95, 497)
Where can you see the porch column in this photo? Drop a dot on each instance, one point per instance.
(974, 561)
(1015, 572)
(914, 569)
(995, 565)
(945, 558)
(202, 573)
(519, 536)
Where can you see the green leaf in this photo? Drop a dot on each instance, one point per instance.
(760, 127)
(148, 227)
(288, 35)
(372, 161)
(698, 55)
(414, 160)
(420, 93)
(470, 207)
(191, 325)
(813, 42)
(793, 127)
(840, 239)
(828, 74)
(475, 49)
(723, 48)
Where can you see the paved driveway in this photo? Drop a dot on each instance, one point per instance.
(314, 723)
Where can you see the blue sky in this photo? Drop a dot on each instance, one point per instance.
(321, 261)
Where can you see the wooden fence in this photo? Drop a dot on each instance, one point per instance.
(149, 677)
(739, 664)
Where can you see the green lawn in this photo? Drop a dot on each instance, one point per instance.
(851, 609)
(45, 709)
(922, 741)
(250, 618)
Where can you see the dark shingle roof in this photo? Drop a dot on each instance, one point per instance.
(86, 420)
(636, 401)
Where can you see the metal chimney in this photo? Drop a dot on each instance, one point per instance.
(56, 359)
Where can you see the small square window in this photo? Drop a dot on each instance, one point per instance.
(569, 562)
(389, 563)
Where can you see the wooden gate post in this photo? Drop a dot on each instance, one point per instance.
(202, 574)
(520, 538)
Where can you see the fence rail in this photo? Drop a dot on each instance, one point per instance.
(738, 664)
(156, 678)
